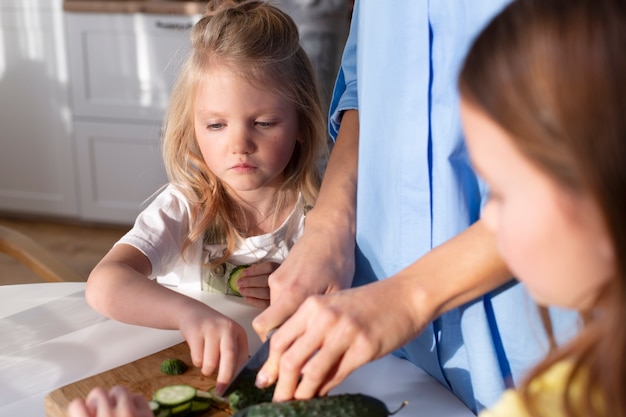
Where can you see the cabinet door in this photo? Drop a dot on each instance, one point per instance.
(119, 166)
(36, 156)
(123, 65)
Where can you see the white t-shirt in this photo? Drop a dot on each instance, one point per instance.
(161, 229)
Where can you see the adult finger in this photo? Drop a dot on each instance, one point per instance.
(352, 358)
(291, 347)
(337, 334)
(272, 317)
(281, 340)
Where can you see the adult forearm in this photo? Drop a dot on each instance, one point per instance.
(336, 204)
(465, 267)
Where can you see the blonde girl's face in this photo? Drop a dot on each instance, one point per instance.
(246, 133)
(552, 239)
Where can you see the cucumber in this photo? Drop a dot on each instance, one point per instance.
(248, 394)
(235, 274)
(342, 405)
(173, 366)
(174, 395)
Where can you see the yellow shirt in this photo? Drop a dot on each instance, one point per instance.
(546, 390)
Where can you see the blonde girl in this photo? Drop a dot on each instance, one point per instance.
(544, 110)
(243, 139)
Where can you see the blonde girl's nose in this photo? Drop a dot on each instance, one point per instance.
(241, 141)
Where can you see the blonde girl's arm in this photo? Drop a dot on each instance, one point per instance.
(118, 287)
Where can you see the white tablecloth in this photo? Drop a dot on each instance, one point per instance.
(51, 338)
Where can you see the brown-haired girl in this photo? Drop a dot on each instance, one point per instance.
(544, 109)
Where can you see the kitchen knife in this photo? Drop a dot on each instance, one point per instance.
(250, 368)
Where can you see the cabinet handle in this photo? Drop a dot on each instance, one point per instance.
(175, 26)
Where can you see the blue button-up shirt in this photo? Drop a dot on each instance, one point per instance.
(417, 188)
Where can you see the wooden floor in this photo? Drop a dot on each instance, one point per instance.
(80, 247)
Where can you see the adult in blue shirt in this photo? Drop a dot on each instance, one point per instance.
(415, 219)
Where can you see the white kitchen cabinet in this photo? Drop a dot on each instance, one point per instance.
(120, 166)
(36, 154)
(122, 70)
(123, 65)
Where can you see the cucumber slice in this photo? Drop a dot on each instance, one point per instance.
(204, 396)
(163, 412)
(174, 395)
(217, 398)
(235, 274)
(154, 406)
(181, 410)
(199, 406)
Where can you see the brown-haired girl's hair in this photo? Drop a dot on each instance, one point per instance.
(259, 43)
(552, 73)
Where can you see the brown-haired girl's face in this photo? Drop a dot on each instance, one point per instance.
(246, 133)
(552, 239)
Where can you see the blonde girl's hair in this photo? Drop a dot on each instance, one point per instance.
(552, 73)
(259, 43)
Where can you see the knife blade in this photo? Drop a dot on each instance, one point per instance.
(249, 370)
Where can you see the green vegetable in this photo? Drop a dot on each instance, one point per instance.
(235, 274)
(342, 405)
(173, 366)
(197, 406)
(180, 400)
(154, 406)
(248, 394)
(174, 395)
(217, 399)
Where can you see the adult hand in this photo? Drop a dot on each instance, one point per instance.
(317, 264)
(215, 341)
(330, 336)
(322, 260)
(118, 402)
(253, 283)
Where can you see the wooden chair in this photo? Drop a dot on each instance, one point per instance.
(34, 256)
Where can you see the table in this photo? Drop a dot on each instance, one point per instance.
(51, 338)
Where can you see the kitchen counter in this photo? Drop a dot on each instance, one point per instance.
(181, 7)
(51, 338)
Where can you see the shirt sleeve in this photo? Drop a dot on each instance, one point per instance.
(160, 230)
(345, 92)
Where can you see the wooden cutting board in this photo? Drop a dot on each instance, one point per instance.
(141, 376)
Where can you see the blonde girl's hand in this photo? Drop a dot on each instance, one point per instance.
(118, 402)
(253, 284)
(216, 343)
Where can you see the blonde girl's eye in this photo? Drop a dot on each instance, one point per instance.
(215, 126)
